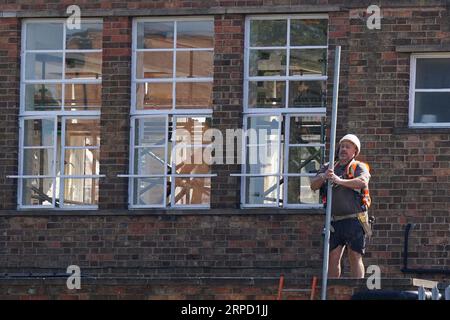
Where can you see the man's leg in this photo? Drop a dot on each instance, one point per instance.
(356, 264)
(334, 262)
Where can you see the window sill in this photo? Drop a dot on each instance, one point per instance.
(422, 48)
(421, 130)
(162, 212)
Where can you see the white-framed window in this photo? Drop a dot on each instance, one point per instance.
(59, 129)
(285, 99)
(429, 96)
(171, 108)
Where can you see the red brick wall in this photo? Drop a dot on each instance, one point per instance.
(187, 288)
(410, 168)
(227, 95)
(163, 245)
(115, 112)
(123, 289)
(9, 105)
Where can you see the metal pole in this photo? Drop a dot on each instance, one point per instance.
(326, 247)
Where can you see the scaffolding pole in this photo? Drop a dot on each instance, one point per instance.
(326, 247)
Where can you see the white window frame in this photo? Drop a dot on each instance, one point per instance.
(413, 90)
(271, 174)
(56, 115)
(132, 157)
(283, 113)
(22, 148)
(173, 113)
(63, 153)
(286, 173)
(62, 81)
(284, 153)
(174, 80)
(54, 176)
(287, 78)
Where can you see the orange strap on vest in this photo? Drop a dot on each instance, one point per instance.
(350, 172)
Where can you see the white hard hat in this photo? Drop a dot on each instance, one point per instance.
(353, 139)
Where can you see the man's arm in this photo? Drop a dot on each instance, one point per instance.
(356, 183)
(318, 181)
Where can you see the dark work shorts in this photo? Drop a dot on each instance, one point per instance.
(348, 232)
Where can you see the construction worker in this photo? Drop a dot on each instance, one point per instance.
(349, 206)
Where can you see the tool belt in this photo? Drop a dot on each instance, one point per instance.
(363, 219)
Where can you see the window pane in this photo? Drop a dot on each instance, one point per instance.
(43, 66)
(299, 191)
(155, 35)
(81, 162)
(192, 130)
(89, 36)
(38, 162)
(195, 34)
(268, 33)
(267, 94)
(308, 62)
(82, 132)
(304, 159)
(195, 64)
(148, 191)
(267, 63)
(39, 132)
(307, 32)
(82, 96)
(263, 138)
(304, 130)
(154, 96)
(154, 64)
(43, 97)
(262, 159)
(190, 160)
(261, 190)
(192, 191)
(44, 36)
(307, 94)
(433, 73)
(149, 160)
(84, 65)
(432, 107)
(81, 191)
(196, 95)
(150, 131)
(263, 129)
(37, 191)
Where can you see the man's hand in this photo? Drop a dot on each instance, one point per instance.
(318, 181)
(329, 174)
(336, 180)
(355, 183)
